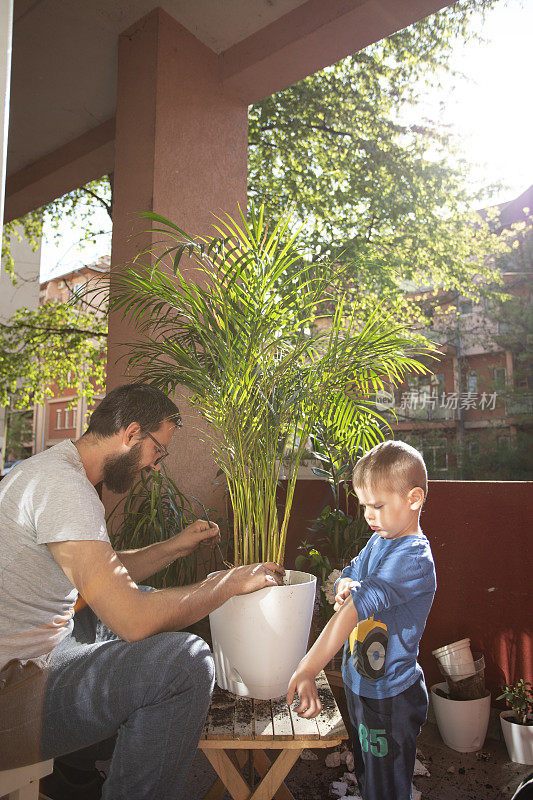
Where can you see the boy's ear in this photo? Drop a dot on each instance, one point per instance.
(416, 498)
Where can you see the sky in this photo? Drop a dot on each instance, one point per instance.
(492, 111)
(492, 114)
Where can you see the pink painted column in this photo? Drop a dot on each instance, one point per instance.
(181, 151)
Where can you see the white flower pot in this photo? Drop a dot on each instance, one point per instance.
(518, 738)
(462, 723)
(456, 659)
(259, 638)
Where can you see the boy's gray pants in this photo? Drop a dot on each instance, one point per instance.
(144, 703)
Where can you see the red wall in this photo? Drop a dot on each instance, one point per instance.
(480, 533)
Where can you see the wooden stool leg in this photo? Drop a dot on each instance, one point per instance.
(229, 774)
(263, 764)
(217, 791)
(276, 775)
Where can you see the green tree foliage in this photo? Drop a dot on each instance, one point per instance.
(350, 150)
(54, 346)
(384, 188)
(19, 427)
(77, 206)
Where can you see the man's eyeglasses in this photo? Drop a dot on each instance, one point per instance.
(160, 448)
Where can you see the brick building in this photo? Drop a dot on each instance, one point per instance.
(474, 415)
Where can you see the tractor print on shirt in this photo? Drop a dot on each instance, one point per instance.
(367, 646)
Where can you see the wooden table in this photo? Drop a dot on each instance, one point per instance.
(239, 731)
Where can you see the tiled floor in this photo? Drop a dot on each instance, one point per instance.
(488, 775)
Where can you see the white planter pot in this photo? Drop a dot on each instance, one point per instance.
(518, 738)
(462, 723)
(456, 659)
(259, 638)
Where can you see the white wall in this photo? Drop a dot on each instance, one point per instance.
(27, 269)
(6, 30)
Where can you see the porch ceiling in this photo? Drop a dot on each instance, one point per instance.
(64, 69)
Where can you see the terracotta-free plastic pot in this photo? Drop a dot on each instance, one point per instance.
(462, 723)
(260, 638)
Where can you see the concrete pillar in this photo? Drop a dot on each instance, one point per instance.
(181, 151)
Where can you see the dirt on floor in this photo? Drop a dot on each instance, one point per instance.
(486, 775)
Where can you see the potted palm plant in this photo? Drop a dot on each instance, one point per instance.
(264, 346)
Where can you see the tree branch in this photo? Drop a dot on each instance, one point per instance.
(44, 329)
(108, 206)
(310, 126)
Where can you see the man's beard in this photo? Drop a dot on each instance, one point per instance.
(120, 472)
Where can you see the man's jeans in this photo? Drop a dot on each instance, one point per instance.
(144, 702)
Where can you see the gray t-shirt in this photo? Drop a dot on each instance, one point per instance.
(47, 498)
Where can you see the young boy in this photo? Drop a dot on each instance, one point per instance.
(389, 588)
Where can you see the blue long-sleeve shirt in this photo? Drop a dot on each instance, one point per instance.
(394, 589)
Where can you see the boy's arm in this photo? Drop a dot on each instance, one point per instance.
(399, 580)
(342, 591)
(328, 643)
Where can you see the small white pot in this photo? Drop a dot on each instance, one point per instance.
(456, 659)
(260, 638)
(462, 723)
(518, 738)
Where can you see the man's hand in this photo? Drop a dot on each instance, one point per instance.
(199, 533)
(256, 576)
(303, 682)
(343, 591)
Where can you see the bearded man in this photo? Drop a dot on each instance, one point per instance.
(118, 677)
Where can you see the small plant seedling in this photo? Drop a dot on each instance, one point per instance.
(519, 697)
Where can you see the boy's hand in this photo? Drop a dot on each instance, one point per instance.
(343, 591)
(303, 682)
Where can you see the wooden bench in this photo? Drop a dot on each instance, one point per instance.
(239, 730)
(22, 783)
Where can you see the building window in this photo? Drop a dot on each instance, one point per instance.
(471, 382)
(436, 457)
(473, 448)
(76, 291)
(503, 327)
(439, 381)
(504, 441)
(500, 377)
(465, 307)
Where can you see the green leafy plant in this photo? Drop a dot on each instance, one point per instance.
(153, 510)
(519, 697)
(246, 335)
(344, 534)
(313, 561)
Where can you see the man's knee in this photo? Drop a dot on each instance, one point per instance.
(202, 666)
(186, 657)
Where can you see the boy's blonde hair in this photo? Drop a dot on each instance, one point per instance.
(393, 465)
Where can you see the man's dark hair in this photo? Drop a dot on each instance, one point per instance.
(133, 402)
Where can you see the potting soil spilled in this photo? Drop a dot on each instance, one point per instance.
(486, 775)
